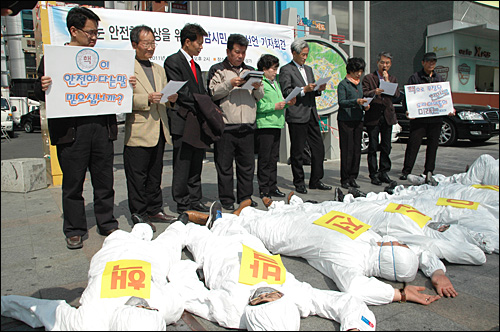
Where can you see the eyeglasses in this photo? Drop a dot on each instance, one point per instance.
(90, 33)
(148, 44)
(266, 297)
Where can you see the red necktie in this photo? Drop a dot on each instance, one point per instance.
(193, 68)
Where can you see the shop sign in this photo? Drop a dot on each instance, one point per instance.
(442, 71)
(305, 22)
(478, 52)
(463, 73)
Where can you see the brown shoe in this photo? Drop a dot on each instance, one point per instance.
(289, 197)
(162, 217)
(74, 242)
(267, 201)
(197, 217)
(244, 204)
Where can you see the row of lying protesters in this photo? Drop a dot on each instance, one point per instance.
(217, 249)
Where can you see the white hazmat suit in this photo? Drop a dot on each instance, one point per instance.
(99, 309)
(218, 252)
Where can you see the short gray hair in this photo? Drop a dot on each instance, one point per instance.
(298, 45)
(386, 54)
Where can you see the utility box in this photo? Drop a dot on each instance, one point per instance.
(23, 175)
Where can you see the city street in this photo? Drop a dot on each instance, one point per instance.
(35, 261)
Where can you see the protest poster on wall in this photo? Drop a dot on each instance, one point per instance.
(115, 26)
(425, 100)
(88, 81)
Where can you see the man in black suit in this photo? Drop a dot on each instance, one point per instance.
(187, 159)
(302, 118)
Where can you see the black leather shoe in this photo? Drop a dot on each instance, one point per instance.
(74, 242)
(254, 204)
(137, 219)
(277, 193)
(353, 183)
(199, 207)
(228, 206)
(321, 186)
(376, 181)
(161, 217)
(345, 185)
(301, 189)
(385, 178)
(404, 177)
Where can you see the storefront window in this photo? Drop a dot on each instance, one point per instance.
(216, 7)
(231, 9)
(359, 21)
(341, 11)
(204, 8)
(247, 10)
(359, 52)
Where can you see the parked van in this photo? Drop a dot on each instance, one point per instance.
(23, 105)
(7, 121)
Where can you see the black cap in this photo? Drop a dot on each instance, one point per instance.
(429, 56)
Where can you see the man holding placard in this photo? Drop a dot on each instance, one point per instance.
(380, 118)
(428, 125)
(83, 142)
(146, 132)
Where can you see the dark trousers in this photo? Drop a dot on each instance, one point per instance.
(350, 133)
(417, 132)
(186, 177)
(268, 147)
(299, 134)
(93, 150)
(385, 131)
(143, 170)
(240, 148)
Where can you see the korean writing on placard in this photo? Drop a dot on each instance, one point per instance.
(457, 203)
(257, 267)
(126, 278)
(409, 211)
(424, 100)
(343, 223)
(485, 186)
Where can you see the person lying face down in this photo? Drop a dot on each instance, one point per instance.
(137, 266)
(273, 301)
(352, 263)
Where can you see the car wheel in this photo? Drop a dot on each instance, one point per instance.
(28, 127)
(365, 141)
(448, 133)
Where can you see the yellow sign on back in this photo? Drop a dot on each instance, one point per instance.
(409, 211)
(457, 203)
(257, 267)
(126, 278)
(485, 186)
(343, 223)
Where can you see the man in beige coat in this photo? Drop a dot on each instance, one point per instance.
(146, 132)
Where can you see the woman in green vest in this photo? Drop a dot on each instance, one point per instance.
(270, 120)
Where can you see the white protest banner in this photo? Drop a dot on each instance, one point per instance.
(115, 26)
(425, 100)
(88, 81)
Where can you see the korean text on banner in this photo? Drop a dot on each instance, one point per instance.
(88, 81)
(425, 100)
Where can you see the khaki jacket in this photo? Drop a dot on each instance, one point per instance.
(142, 126)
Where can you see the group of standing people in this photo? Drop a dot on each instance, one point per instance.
(250, 115)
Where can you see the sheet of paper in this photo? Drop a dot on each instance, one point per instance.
(368, 101)
(251, 80)
(252, 73)
(171, 88)
(389, 88)
(293, 94)
(321, 81)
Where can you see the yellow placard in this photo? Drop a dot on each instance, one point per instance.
(457, 203)
(485, 186)
(126, 278)
(343, 223)
(409, 211)
(257, 267)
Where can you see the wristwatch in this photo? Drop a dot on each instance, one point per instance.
(403, 295)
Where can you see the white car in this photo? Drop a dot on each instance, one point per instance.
(396, 129)
(7, 121)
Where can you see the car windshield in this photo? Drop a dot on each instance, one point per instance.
(5, 105)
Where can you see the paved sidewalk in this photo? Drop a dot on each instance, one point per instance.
(35, 261)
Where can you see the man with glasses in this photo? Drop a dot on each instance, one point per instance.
(146, 132)
(83, 142)
(380, 119)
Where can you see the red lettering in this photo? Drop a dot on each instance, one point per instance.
(266, 273)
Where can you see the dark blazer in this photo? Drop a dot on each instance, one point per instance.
(63, 130)
(178, 69)
(289, 78)
(381, 105)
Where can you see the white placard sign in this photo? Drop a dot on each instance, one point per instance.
(425, 100)
(88, 81)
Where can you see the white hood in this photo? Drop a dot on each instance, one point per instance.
(279, 315)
